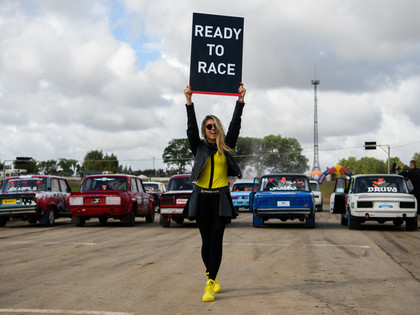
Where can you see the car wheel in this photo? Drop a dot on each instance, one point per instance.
(103, 220)
(353, 224)
(411, 224)
(164, 221)
(48, 218)
(129, 219)
(179, 220)
(150, 218)
(310, 221)
(78, 221)
(3, 221)
(257, 221)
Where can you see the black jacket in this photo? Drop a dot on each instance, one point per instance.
(203, 151)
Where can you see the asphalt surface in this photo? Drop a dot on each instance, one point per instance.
(281, 268)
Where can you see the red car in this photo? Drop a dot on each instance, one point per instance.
(34, 197)
(120, 197)
(172, 202)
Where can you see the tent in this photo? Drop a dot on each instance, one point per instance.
(338, 170)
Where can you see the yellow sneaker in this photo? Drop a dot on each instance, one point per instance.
(209, 291)
(217, 287)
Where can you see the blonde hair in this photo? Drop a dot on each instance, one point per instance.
(222, 147)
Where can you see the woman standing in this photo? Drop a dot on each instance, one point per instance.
(210, 203)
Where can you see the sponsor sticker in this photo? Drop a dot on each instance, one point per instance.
(181, 201)
(9, 201)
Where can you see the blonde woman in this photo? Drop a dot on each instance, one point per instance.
(210, 203)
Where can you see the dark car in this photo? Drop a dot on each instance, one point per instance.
(172, 202)
(34, 197)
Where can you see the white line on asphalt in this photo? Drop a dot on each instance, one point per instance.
(310, 245)
(47, 243)
(42, 311)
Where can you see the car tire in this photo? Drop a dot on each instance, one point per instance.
(78, 220)
(49, 218)
(103, 220)
(3, 221)
(411, 224)
(165, 221)
(257, 221)
(353, 224)
(32, 220)
(129, 219)
(310, 221)
(150, 218)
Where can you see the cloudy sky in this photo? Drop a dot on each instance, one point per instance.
(109, 75)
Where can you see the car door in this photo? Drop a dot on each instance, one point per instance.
(64, 196)
(338, 197)
(144, 195)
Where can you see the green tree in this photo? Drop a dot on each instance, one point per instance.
(96, 161)
(283, 155)
(416, 157)
(68, 167)
(49, 167)
(366, 165)
(178, 154)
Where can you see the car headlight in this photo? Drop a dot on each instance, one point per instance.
(113, 200)
(76, 201)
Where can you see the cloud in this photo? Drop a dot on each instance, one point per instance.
(84, 75)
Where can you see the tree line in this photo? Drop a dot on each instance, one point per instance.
(256, 156)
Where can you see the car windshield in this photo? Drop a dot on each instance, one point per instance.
(24, 184)
(284, 183)
(151, 187)
(380, 184)
(179, 183)
(104, 183)
(314, 186)
(242, 187)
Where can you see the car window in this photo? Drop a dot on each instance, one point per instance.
(380, 184)
(104, 183)
(139, 185)
(55, 186)
(151, 187)
(284, 183)
(24, 184)
(314, 186)
(242, 187)
(133, 184)
(63, 185)
(179, 183)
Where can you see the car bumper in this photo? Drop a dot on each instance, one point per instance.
(171, 211)
(15, 211)
(381, 214)
(275, 211)
(237, 203)
(97, 212)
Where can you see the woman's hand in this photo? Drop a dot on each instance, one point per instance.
(241, 91)
(188, 95)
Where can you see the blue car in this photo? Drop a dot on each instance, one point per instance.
(284, 197)
(240, 194)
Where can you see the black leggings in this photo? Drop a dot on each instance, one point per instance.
(212, 228)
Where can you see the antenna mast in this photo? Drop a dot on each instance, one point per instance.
(316, 153)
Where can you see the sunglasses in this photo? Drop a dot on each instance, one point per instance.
(211, 126)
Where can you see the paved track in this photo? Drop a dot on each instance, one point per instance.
(282, 268)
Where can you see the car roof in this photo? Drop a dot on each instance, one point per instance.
(285, 174)
(376, 175)
(34, 176)
(180, 175)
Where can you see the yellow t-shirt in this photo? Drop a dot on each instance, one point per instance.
(220, 170)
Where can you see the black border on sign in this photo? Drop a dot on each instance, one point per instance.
(200, 52)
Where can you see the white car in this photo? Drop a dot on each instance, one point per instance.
(376, 197)
(313, 184)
